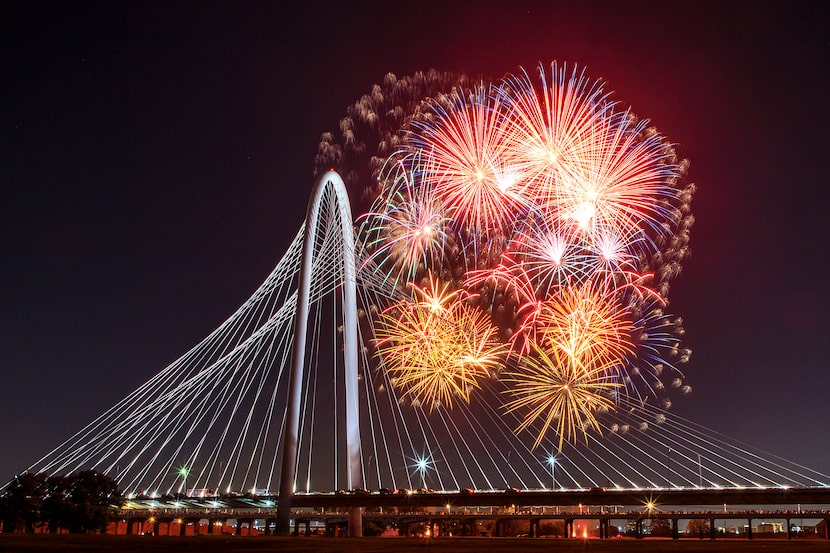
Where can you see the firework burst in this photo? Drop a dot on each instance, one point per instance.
(409, 233)
(471, 171)
(587, 325)
(438, 347)
(543, 222)
(553, 391)
(553, 126)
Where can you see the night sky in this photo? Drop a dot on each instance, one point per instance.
(157, 159)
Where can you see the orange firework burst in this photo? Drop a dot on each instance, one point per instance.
(577, 353)
(589, 326)
(438, 347)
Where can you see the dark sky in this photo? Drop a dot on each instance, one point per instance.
(156, 161)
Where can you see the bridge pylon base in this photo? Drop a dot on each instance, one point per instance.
(356, 522)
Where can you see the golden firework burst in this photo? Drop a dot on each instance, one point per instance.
(437, 347)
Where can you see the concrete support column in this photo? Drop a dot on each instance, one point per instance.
(675, 532)
(712, 530)
(569, 527)
(356, 522)
(749, 528)
(183, 527)
(534, 528)
(789, 531)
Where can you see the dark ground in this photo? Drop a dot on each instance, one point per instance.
(224, 544)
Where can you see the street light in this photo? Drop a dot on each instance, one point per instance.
(552, 463)
(183, 472)
(422, 468)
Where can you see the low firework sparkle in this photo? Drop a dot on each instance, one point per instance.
(535, 223)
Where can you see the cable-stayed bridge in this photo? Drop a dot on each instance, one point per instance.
(288, 396)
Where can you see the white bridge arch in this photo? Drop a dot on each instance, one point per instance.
(330, 181)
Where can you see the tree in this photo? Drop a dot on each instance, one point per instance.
(660, 527)
(94, 497)
(20, 504)
(555, 528)
(56, 509)
(83, 502)
(698, 527)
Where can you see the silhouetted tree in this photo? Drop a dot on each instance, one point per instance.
(660, 527)
(83, 502)
(555, 528)
(698, 527)
(56, 508)
(20, 504)
(94, 497)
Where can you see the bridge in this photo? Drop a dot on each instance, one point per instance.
(512, 337)
(471, 513)
(210, 419)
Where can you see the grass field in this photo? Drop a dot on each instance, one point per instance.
(44, 543)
